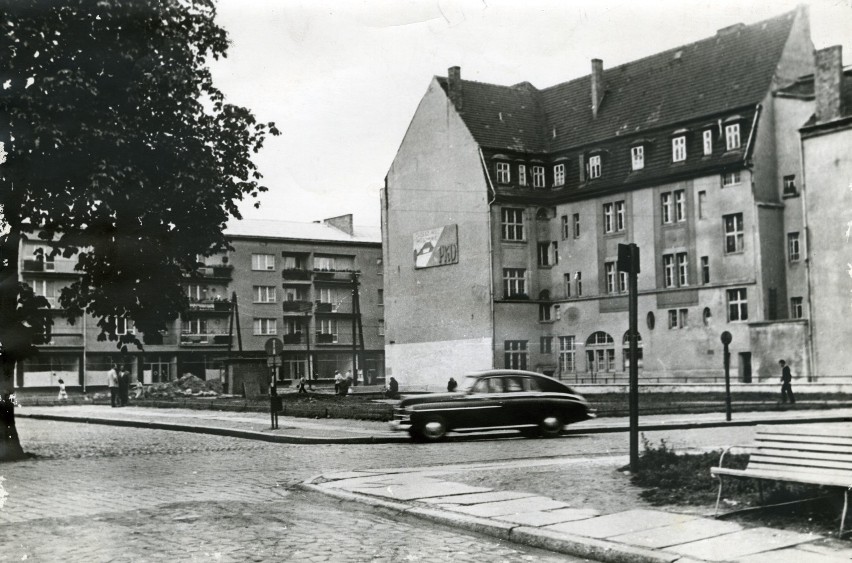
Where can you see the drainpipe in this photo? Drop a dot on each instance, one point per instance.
(747, 152)
(812, 356)
(490, 256)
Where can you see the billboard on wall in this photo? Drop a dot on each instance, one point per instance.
(436, 247)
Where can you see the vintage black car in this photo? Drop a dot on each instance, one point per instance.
(536, 404)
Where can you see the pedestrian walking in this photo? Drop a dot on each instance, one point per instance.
(338, 379)
(302, 382)
(392, 392)
(63, 396)
(140, 389)
(786, 381)
(123, 386)
(363, 377)
(345, 384)
(112, 381)
(452, 385)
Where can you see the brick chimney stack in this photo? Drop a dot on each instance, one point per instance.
(597, 85)
(828, 83)
(454, 86)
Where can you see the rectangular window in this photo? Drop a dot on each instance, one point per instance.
(544, 312)
(680, 205)
(683, 317)
(737, 305)
(796, 310)
(504, 174)
(546, 344)
(380, 297)
(264, 293)
(734, 238)
(732, 136)
(672, 318)
(790, 185)
(730, 179)
(381, 327)
(522, 175)
(379, 270)
(513, 224)
(538, 176)
(578, 277)
(595, 166)
(515, 354)
(555, 249)
(682, 269)
(619, 216)
(292, 262)
(544, 254)
(793, 246)
(637, 157)
(123, 326)
(622, 282)
(292, 325)
(609, 268)
(702, 204)
(514, 283)
(666, 207)
(609, 217)
(264, 327)
(565, 229)
(576, 225)
(327, 328)
(668, 270)
(707, 138)
(195, 326)
(262, 261)
(679, 149)
(559, 175)
(294, 293)
(705, 269)
(567, 284)
(567, 357)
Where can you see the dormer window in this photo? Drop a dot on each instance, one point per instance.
(637, 157)
(707, 137)
(732, 136)
(594, 167)
(679, 148)
(522, 174)
(559, 175)
(504, 173)
(538, 176)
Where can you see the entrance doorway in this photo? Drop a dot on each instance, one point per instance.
(745, 367)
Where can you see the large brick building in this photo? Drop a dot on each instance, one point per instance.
(524, 195)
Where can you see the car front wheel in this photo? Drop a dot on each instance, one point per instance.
(550, 425)
(432, 428)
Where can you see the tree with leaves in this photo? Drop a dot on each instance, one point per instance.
(119, 151)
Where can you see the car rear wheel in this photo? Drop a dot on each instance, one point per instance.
(550, 425)
(432, 428)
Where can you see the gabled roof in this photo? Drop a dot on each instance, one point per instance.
(292, 230)
(733, 69)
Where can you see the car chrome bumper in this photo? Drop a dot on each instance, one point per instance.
(400, 425)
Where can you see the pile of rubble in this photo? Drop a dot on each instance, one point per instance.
(188, 385)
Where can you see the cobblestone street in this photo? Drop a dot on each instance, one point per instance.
(99, 493)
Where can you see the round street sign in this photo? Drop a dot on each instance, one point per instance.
(274, 346)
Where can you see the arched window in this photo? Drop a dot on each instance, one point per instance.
(542, 214)
(626, 351)
(544, 295)
(600, 353)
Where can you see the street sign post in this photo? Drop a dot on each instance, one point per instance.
(274, 347)
(726, 339)
(628, 261)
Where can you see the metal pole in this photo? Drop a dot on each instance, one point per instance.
(354, 332)
(726, 340)
(633, 308)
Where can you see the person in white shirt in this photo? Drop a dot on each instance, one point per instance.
(112, 380)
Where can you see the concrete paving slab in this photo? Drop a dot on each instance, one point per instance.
(829, 546)
(538, 519)
(792, 555)
(476, 498)
(740, 544)
(621, 523)
(421, 490)
(383, 481)
(682, 532)
(516, 506)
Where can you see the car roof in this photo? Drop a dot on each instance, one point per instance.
(490, 372)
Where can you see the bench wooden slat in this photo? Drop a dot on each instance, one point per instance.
(800, 447)
(821, 479)
(831, 429)
(805, 440)
(803, 471)
(819, 458)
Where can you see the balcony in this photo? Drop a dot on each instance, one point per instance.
(58, 265)
(207, 339)
(224, 271)
(323, 338)
(323, 307)
(338, 276)
(295, 338)
(75, 340)
(296, 306)
(296, 274)
(209, 305)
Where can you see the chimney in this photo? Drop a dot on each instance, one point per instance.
(828, 81)
(454, 86)
(342, 223)
(597, 85)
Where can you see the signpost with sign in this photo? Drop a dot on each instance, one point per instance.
(726, 340)
(274, 347)
(628, 261)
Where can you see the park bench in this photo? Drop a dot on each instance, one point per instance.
(814, 454)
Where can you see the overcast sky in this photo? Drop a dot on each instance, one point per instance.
(342, 80)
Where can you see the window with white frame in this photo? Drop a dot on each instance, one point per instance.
(538, 176)
(522, 175)
(702, 204)
(293, 325)
(544, 254)
(566, 280)
(669, 270)
(578, 279)
(381, 327)
(609, 217)
(514, 282)
(264, 293)
(619, 216)
(731, 179)
(672, 314)
(512, 223)
(732, 136)
(734, 237)
(327, 327)
(565, 227)
(707, 140)
(576, 225)
(554, 248)
(637, 157)
(292, 262)
(567, 354)
(610, 276)
(666, 207)
(545, 344)
(705, 269)
(789, 184)
(262, 262)
(793, 247)
(504, 174)
(265, 326)
(195, 326)
(544, 312)
(559, 175)
(123, 326)
(737, 304)
(680, 205)
(380, 297)
(679, 149)
(46, 289)
(678, 318)
(796, 308)
(622, 282)
(295, 293)
(682, 269)
(595, 166)
(515, 354)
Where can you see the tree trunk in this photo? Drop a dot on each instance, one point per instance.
(10, 444)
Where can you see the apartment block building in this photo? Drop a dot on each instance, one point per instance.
(293, 281)
(524, 195)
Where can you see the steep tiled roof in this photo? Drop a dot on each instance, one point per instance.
(732, 69)
(293, 230)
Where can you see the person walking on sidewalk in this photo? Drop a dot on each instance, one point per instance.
(112, 381)
(123, 386)
(302, 383)
(63, 395)
(786, 380)
(338, 379)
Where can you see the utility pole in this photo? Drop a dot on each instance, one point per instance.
(354, 330)
(628, 261)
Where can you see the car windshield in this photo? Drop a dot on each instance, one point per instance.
(468, 382)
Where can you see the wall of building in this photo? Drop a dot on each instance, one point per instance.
(780, 341)
(436, 180)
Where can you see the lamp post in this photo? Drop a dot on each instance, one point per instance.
(726, 339)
